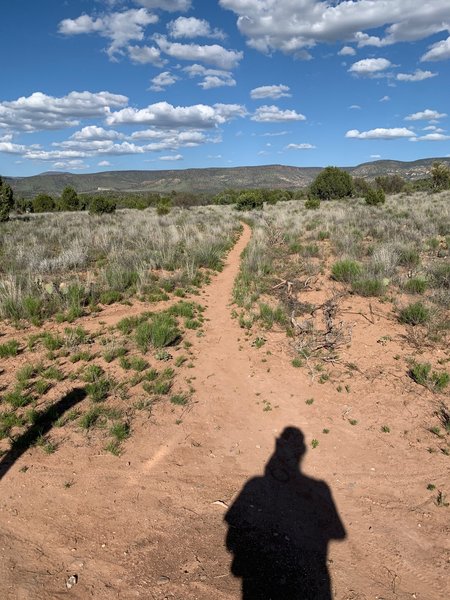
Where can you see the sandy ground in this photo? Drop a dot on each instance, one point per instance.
(153, 523)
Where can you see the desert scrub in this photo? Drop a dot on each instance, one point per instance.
(160, 332)
(414, 314)
(40, 255)
(368, 287)
(415, 285)
(422, 374)
(346, 270)
(9, 349)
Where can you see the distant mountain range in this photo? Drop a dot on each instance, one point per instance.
(207, 181)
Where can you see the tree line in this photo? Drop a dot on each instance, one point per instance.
(332, 183)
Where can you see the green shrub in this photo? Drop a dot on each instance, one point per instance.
(162, 331)
(6, 200)
(332, 183)
(249, 200)
(43, 203)
(346, 270)
(69, 200)
(416, 285)
(312, 203)
(99, 205)
(9, 349)
(368, 287)
(414, 314)
(439, 276)
(374, 197)
(110, 297)
(98, 390)
(409, 257)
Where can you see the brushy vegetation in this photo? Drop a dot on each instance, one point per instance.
(66, 264)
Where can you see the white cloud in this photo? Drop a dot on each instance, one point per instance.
(375, 156)
(10, 148)
(93, 132)
(172, 139)
(104, 163)
(212, 78)
(39, 111)
(273, 114)
(384, 99)
(291, 25)
(432, 137)
(368, 66)
(191, 27)
(380, 133)
(213, 54)
(355, 107)
(172, 157)
(299, 147)
(144, 55)
(425, 115)
(433, 128)
(119, 27)
(438, 51)
(163, 114)
(347, 51)
(162, 80)
(168, 5)
(418, 75)
(75, 164)
(275, 134)
(270, 91)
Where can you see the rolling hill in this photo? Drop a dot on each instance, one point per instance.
(209, 180)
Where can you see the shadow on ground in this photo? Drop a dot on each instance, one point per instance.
(279, 528)
(42, 425)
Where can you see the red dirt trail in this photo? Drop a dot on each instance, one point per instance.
(150, 524)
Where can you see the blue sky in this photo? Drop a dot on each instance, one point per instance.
(92, 85)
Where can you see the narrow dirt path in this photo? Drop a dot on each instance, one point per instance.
(151, 524)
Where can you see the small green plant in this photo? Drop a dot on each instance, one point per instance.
(121, 431)
(114, 447)
(53, 373)
(98, 390)
(114, 352)
(179, 399)
(93, 373)
(309, 401)
(325, 431)
(353, 422)
(375, 197)
(431, 487)
(162, 331)
(17, 398)
(368, 287)
(416, 285)
(414, 314)
(9, 349)
(180, 360)
(385, 429)
(346, 270)
(314, 443)
(297, 362)
(90, 418)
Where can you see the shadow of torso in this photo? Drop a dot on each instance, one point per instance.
(279, 529)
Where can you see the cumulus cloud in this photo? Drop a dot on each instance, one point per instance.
(39, 111)
(70, 164)
(93, 132)
(119, 27)
(163, 80)
(212, 54)
(211, 78)
(163, 114)
(300, 147)
(191, 27)
(273, 114)
(380, 133)
(355, 107)
(418, 75)
(145, 55)
(370, 66)
(270, 91)
(104, 163)
(291, 25)
(425, 115)
(384, 99)
(347, 51)
(438, 51)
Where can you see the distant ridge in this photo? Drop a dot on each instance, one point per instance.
(208, 180)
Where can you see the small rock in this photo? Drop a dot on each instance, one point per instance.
(73, 579)
(163, 580)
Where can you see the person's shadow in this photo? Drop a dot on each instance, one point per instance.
(279, 528)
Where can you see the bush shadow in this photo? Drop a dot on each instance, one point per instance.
(42, 425)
